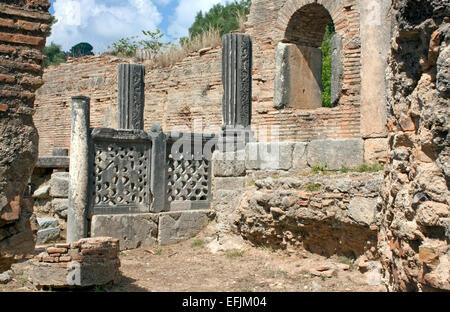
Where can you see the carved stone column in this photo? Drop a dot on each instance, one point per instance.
(237, 91)
(77, 225)
(131, 96)
(237, 80)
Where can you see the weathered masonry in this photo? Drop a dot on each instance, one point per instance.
(23, 30)
(136, 178)
(128, 183)
(191, 89)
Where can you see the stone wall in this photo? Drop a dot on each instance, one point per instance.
(415, 215)
(23, 29)
(50, 194)
(274, 195)
(191, 89)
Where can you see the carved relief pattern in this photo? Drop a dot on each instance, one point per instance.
(188, 179)
(121, 174)
(245, 81)
(137, 102)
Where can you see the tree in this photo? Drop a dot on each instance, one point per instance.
(153, 43)
(326, 65)
(81, 49)
(52, 21)
(129, 45)
(54, 55)
(225, 18)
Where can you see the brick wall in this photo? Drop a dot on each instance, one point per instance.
(23, 29)
(192, 88)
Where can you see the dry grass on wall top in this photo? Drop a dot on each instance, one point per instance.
(172, 53)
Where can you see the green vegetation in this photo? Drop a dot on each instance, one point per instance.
(347, 260)
(319, 169)
(52, 21)
(370, 168)
(158, 251)
(197, 243)
(81, 49)
(129, 45)
(234, 253)
(224, 18)
(361, 169)
(99, 288)
(265, 248)
(313, 187)
(54, 55)
(326, 65)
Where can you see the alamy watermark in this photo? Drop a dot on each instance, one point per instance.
(200, 142)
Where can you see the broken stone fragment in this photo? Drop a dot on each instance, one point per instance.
(6, 277)
(42, 192)
(59, 185)
(48, 230)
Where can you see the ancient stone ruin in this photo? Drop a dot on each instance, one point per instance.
(237, 135)
(24, 25)
(86, 263)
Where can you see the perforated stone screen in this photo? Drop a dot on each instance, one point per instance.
(121, 171)
(189, 168)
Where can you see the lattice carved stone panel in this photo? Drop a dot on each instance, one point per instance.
(121, 176)
(188, 179)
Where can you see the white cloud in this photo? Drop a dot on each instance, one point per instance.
(101, 22)
(185, 13)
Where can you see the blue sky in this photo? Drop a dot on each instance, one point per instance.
(101, 22)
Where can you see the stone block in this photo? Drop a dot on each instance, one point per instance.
(299, 161)
(42, 192)
(47, 223)
(60, 207)
(59, 184)
(6, 277)
(375, 150)
(362, 210)
(269, 156)
(335, 154)
(133, 230)
(175, 227)
(47, 235)
(228, 164)
(298, 77)
(225, 205)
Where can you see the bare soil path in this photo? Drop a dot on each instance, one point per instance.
(192, 267)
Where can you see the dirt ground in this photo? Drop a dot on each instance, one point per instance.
(192, 266)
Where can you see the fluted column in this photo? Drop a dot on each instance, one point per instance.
(131, 96)
(237, 80)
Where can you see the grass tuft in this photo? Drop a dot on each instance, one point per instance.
(313, 187)
(234, 253)
(197, 243)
